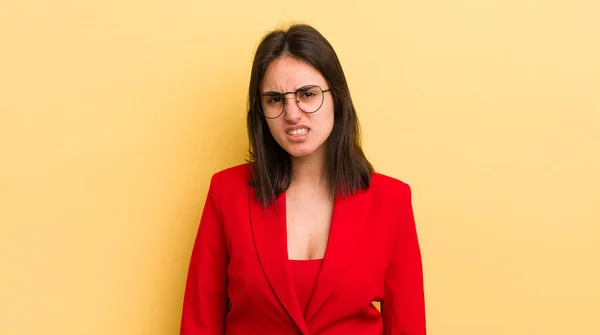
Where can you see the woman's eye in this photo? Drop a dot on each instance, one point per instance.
(274, 100)
(307, 94)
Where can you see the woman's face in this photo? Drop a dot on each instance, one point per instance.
(298, 132)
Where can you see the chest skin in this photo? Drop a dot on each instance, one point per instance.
(308, 222)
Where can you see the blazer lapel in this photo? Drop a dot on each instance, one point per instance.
(270, 239)
(347, 223)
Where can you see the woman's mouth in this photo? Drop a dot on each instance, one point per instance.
(297, 135)
(300, 131)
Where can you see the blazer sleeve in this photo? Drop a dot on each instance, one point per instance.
(205, 302)
(403, 306)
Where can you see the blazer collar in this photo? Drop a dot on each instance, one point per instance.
(348, 221)
(270, 239)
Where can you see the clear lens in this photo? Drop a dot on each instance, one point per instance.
(309, 99)
(272, 104)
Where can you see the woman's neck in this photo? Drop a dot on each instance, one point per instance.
(309, 172)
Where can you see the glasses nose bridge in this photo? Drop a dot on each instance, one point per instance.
(285, 100)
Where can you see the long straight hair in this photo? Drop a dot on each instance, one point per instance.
(347, 168)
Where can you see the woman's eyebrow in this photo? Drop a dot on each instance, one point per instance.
(271, 93)
(279, 93)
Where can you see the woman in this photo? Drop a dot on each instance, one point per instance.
(304, 238)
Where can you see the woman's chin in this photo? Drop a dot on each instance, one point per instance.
(300, 152)
(304, 151)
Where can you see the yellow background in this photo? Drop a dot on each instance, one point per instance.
(114, 114)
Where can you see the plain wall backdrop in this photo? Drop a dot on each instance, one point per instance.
(114, 114)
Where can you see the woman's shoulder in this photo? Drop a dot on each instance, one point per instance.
(383, 183)
(238, 174)
(384, 180)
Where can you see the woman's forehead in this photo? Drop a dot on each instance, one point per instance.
(287, 74)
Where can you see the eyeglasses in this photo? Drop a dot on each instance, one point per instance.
(308, 98)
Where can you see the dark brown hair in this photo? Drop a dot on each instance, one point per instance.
(347, 167)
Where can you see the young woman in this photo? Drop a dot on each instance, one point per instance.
(306, 236)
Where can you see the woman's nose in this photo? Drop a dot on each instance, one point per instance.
(291, 111)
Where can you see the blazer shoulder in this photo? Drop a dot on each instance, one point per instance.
(234, 175)
(381, 182)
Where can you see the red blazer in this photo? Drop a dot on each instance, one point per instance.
(239, 283)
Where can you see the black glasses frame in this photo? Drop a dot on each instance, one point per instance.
(275, 94)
